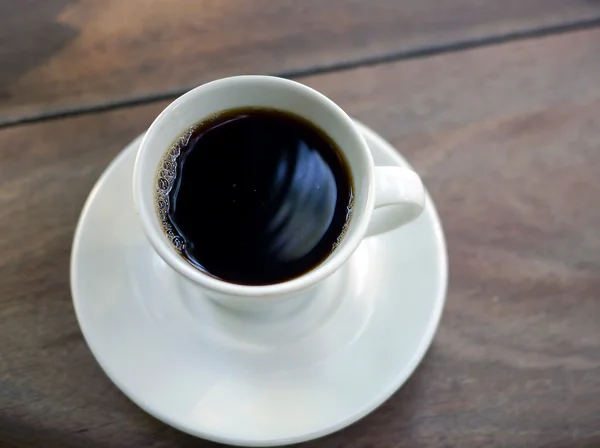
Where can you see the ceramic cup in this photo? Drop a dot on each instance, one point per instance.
(384, 197)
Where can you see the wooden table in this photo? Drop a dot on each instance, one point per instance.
(496, 103)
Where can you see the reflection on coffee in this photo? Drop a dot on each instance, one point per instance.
(254, 196)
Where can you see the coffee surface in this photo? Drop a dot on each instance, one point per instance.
(254, 196)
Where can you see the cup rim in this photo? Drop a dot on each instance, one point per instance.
(151, 224)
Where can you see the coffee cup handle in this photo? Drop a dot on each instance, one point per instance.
(399, 198)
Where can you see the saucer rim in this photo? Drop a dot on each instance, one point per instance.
(402, 376)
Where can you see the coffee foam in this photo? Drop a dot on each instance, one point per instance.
(165, 179)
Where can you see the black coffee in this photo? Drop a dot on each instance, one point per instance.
(254, 196)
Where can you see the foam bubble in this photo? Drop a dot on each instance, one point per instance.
(349, 213)
(165, 178)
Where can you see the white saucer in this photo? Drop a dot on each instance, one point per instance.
(258, 380)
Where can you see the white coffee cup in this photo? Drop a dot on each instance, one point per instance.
(384, 197)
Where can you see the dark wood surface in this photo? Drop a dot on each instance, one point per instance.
(64, 55)
(507, 139)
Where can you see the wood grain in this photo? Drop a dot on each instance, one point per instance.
(58, 55)
(507, 139)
